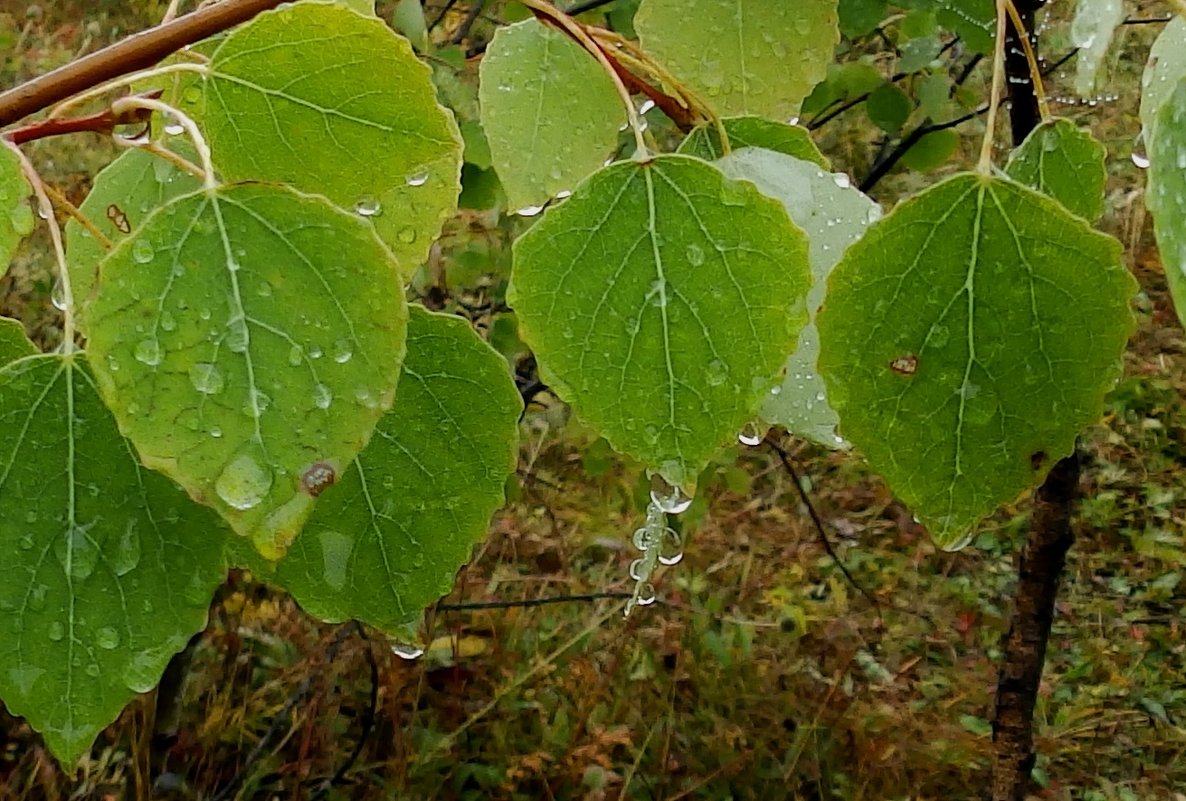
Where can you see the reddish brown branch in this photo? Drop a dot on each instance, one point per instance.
(137, 52)
(103, 122)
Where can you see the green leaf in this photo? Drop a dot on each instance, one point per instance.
(1165, 68)
(932, 151)
(747, 56)
(888, 107)
(704, 142)
(363, 128)
(109, 568)
(125, 192)
(1166, 192)
(1065, 162)
(966, 340)
(14, 344)
(662, 300)
(973, 20)
(387, 540)
(859, 17)
(834, 215)
(242, 335)
(551, 113)
(1091, 32)
(16, 216)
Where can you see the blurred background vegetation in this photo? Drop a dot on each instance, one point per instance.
(762, 672)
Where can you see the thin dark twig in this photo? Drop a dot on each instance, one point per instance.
(471, 17)
(529, 602)
(368, 720)
(883, 167)
(818, 522)
(588, 5)
(441, 16)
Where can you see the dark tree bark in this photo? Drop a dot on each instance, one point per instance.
(1050, 536)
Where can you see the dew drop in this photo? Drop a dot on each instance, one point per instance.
(216, 432)
(407, 235)
(750, 435)
(148, 352)
(717, 373)
(257, 403)
(841, 180)
(143, 251)
(168, 322)
(77, 552)
(671, 549)
(406, 650)
(638, 571)
(206, 378)
(237, 336)
(642, 539)
(368, 207)
(668, 498)
(695, 255)
(418, 179)
(529, 211)
(125, 556)
(37, 597)
(645, 594)
(174, 129)
(322, 396)
(107, 638)
(56, 631)
(243, 483)
(57, 295)
(342, 351)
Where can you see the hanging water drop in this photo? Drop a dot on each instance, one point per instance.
(645, 594)
(1138, 152)
(174, 129)
(750, 435)
(529, 211)
(405, 650)
(57, 295)
(671, 548)
(669, 498)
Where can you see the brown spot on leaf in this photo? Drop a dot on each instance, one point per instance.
(116, 216)
(319, 476)
(906, 364)
(1037, 459)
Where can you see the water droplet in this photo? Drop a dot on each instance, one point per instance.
(174, 129)
(206, 378)
(1138, 152)
(642, 539)
(256, 404)
(368, 207)
(216, 432)
(418, 179)
(717, 373)
(841, 180)
(237, 335)
(56, 631)
(167, 321)
(57, 295)
(243, 483)
(407, 235)
(646, 594)
(750, 435)
(77, 552)
(342, 351)
(107, 638)
(668, 498)
(322, 396)
(695, 255)
(125, 556)
(671, 548)
(148, 352)
(37, 597)
(638, 571)
(406, 650)
(529, 211)
(143, 251)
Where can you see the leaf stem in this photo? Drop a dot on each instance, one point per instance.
(123, 80)
(574, 29)
(191, 128)
(137, 52)
(984, 166)
(46, 211)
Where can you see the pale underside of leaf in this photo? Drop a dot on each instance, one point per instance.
(744, 56)
(109, 568)
(834, 215)
(967, 339)
(387, 539)
(704, 141)
(1166, 192)
(364, 128)
(243, 335)
(662, 300)
(1165, 68)
(550, 112)
(16, 216)
(1061, 160)
(1091, 32)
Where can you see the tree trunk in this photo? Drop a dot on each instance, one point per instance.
(1050, 536)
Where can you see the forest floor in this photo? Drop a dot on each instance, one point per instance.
(762, 672)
